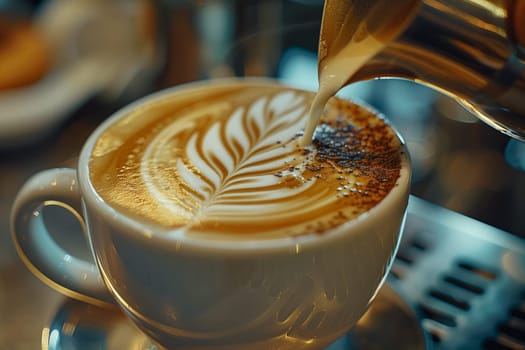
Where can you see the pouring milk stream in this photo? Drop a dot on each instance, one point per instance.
(467, 50)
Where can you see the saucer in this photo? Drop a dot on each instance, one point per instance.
(389, 322)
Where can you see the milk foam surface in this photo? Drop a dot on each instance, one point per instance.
(225, 159)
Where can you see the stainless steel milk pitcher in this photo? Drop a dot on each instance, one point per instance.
(467, 49)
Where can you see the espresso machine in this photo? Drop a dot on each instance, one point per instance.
(458, 280)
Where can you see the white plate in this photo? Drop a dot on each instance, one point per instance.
(98, 49)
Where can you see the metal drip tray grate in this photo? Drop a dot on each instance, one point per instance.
(465, 279)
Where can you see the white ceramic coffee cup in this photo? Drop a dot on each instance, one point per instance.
(193, 293)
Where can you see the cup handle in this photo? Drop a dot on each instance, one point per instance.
(41, 251)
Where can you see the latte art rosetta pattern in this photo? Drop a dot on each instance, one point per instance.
(226, 172)
(233, 165)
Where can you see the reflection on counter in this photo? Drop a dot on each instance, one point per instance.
(80, 326)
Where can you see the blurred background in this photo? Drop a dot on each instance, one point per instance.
(66, 65)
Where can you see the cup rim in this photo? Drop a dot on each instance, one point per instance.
(398, 194)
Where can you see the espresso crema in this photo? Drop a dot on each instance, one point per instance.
(225, 158)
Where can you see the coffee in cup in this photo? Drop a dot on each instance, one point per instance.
(224, 161)
(212, 227)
